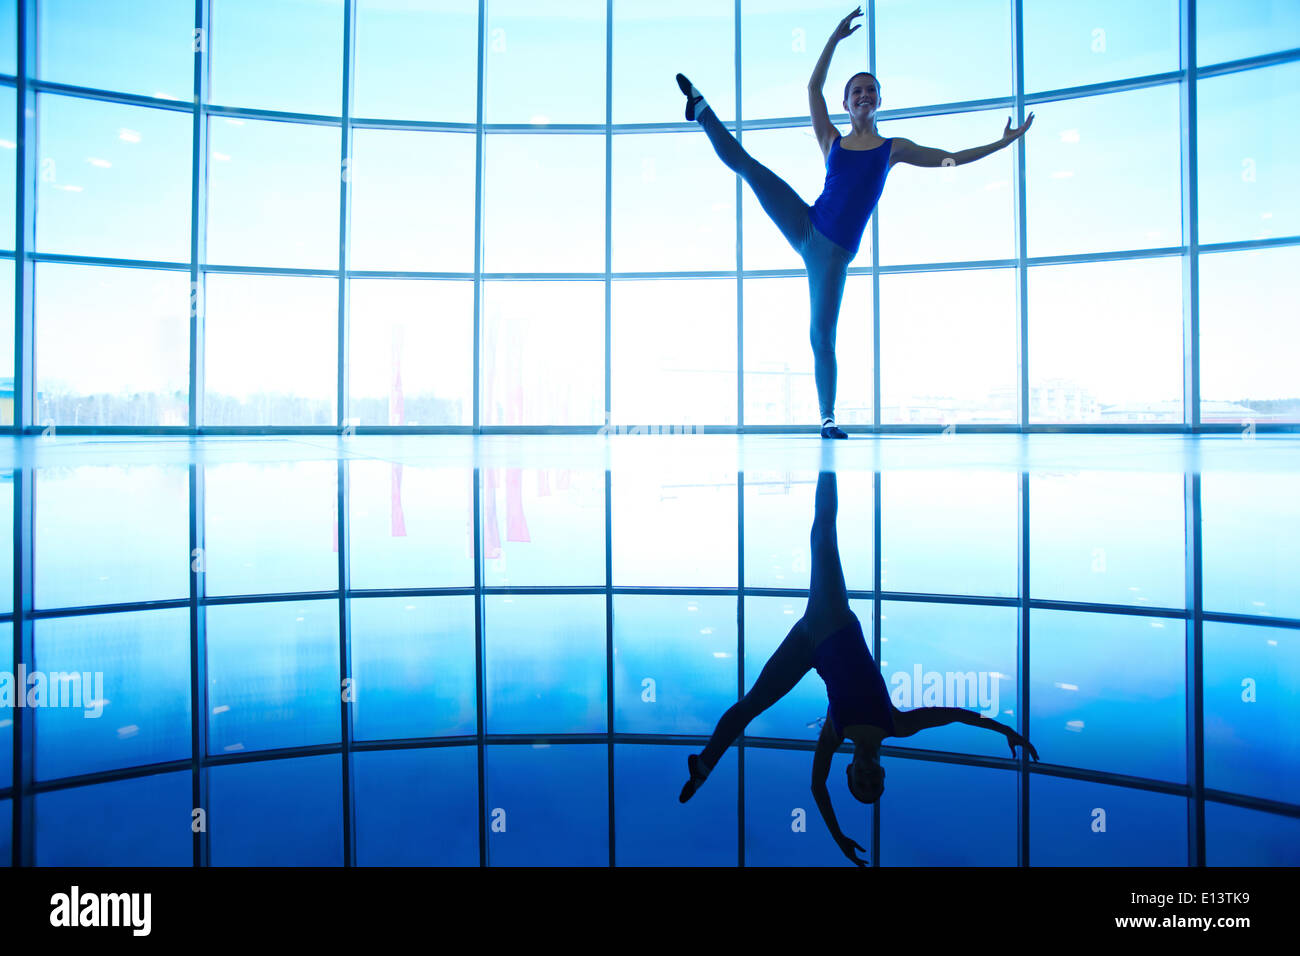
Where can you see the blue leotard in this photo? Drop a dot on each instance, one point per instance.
(856, 691)
(854, 181)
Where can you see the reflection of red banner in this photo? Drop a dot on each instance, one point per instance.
(491, 534)
(398, 520)
(516, 523)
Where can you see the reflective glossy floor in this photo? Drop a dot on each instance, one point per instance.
(462, 651)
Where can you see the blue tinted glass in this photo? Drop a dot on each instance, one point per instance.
(8, 190)
(412, 667)
(277, 812)
(140, 822)
(1076, 823)
(271, 527)
(1238, 837)
(779, 512)
(544, 61)
(548, 804)
(134, 46)
(6, 832)
(646, 780)
(410, 526)
(544, 659)
(951, 655)
(114, 180)
(6, 542)
(126, 700)
(1246, 160)
(674, 663)
(413, 57)
(1252, 727)
(656, 519)
(1232, 30)
(89, 518)
(949, 532)
(1107, 537)
(1250, 542)
(8, 46)
(783, 826)
(543, 527)
(1108, 692)
(6, 712)
(273, 675)
(416, 807)
(277, 54)
(799, 714)
(923, 51)
(935, 814)
(1075, 45)
(654, 41)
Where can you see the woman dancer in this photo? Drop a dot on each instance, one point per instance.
(827, 234)
(829, 638)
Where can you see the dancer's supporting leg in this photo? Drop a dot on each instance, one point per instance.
(828, 599)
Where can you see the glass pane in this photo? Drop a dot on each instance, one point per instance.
(410, 526)
(548, 805)
(937, 814)
(923, 51)
(413, 667)
(1235, 836)
(949, 532)
(271, 350)
(277, 54)
(1232, 30)
(543, 353)
(544, 661)
(657, 519)
(112, 345)
(544, 61)
(950, 214)
(273, 675)
(412, 352)
(779, 514)
(1247, 168)
(137, 822)
(793, 154)
(1250, 340)
(8, 196)
(412, 60)
(271, 528)
(783, 826)
(779, 385)
(647, 779)
(780, 43)
(6, 832)
(87, 518)
(1250, 543)
(1079, 314)
(1108, 693)
(114, 180)
(937, 369)
(673, 204)
(8, 64)
(1252, 727)
(653, 41)
(273, 194)
(674, 663)
(543, 527)
(277, 812)
(412, 201)
(1068, 45)
(673, 352)
(7, 714)
(417, 807)
(1077, 823)
(950, 655)
(1103, 172)
(1108, 537)
(543, 203)
(134, 46)
(6, 542)
(118, 687)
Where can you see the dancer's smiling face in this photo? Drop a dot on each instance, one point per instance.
(862, 95)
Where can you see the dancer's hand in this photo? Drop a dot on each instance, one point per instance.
(1010, 135)
(844, 29)
(1014, 740)
(847, 846)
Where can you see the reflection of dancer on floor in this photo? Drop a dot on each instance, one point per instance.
(827, 234)
(829, 638)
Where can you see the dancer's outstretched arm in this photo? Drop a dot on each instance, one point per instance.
(908, 722)
(906, 151)
(821, 120)
(827, 744)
